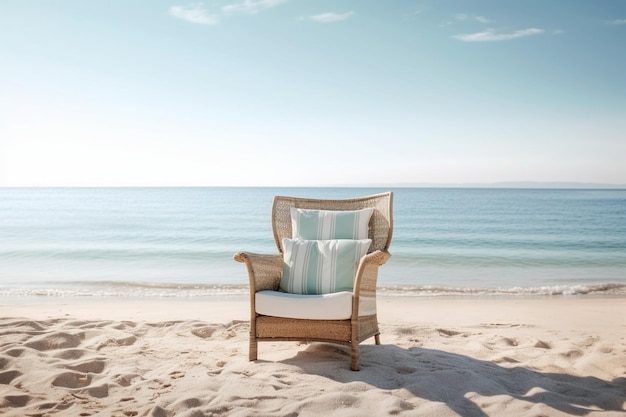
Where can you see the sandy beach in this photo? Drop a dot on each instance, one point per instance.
(439, 357)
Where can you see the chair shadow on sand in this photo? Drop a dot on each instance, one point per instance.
(444, 377)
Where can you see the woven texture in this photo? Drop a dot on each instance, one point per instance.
(380, 226)
(265, 272)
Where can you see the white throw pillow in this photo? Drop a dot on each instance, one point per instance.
(327, 224)
(321, 266)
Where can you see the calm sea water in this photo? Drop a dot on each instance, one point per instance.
(179, 242)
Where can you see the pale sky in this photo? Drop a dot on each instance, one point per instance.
(317, 92)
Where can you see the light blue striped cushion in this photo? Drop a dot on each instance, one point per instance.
(327, 224)
(321, 266)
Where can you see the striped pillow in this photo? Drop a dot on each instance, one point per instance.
(321, 266)
(326, 224)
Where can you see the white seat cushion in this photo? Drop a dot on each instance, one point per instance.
(334, 306)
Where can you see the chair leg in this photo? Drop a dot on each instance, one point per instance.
(253, 355)
(377, 339)
(354, 357)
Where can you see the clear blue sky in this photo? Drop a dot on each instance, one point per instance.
(272, 93)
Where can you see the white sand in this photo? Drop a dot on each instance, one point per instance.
(439, 357)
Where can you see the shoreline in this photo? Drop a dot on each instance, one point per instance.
(35, 301)
(189, 291)
(228, 306)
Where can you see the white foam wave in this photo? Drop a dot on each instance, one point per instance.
(556, 290)
(185, 291)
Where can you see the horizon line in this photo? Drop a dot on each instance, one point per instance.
(498, 184)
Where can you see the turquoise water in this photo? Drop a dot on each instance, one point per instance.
(179, 242)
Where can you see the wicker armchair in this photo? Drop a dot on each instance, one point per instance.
(265, 273)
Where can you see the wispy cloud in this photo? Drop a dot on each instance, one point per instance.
(617, 22)
(195, 13)
(330, 17)
(198, 13)
(490, 35)
(465, 16)
(251, 6)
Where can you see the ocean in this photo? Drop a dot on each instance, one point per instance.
(179, 242)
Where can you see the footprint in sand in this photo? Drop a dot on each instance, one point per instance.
(450, 333)
(7, 376)
(204, 332)
(71, 380)
(506, 341)
(405, 370)
(53, 341)
(33, 325)
(15, 352)
(123, 339)
(177, 374)
(99, 391)
(542, 345)
(125, 380)
(94, 366)
(18, 400)
(70, 354)
(405, 331)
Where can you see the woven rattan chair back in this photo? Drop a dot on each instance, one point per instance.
(380, 226)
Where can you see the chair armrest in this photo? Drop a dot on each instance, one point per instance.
(365, 282)
(378, 257)
(264, 271)
(367, 273)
